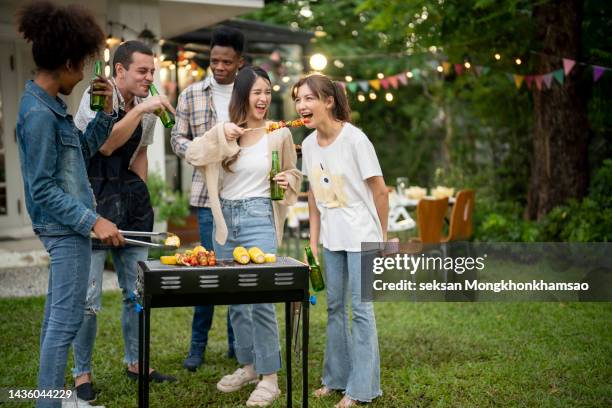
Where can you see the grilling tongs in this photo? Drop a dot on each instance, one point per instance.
(137, 242)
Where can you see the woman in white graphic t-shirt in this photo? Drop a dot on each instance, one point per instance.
(348, 205)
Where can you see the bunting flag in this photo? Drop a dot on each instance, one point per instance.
(459, 69)
(385, 83)
(364, 86)
(352, 86)
(558, 75)
(518, 80)
(528, 80)
(547, 80)
(568, 64)
(597, 72)
(393, 81)
(538, 81)
(403, 78)
(375, 83)
(416, 74)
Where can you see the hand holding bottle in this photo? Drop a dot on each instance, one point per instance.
(154, 104)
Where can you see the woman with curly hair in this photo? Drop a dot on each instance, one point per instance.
(53, 155)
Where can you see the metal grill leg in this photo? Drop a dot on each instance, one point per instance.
(288, 350)
(305, 306)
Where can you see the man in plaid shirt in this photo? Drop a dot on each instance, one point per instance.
(199, 108)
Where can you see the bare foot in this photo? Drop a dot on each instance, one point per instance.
(346, 402)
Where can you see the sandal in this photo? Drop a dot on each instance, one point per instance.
(263, 395)
(322, 392)
(237, 380)
(346, 402)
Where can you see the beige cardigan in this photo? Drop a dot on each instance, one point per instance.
(207, 152)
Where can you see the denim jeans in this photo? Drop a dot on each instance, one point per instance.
(203, 314)
(70, 258)
(250, 223)
(125, 260)
(352, 360)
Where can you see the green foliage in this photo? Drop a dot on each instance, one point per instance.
(168, 205)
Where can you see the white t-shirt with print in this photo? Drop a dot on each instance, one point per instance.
(337, 174)
(221, 95)
(250, 173)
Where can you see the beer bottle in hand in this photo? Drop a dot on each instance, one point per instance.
(316, 276)
(166, 117)
(276, 191)
(96, 102)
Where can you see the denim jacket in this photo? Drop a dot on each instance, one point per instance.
(54, 155)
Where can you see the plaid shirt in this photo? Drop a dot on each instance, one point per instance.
(195, 114)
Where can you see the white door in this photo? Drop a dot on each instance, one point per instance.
(14, 220)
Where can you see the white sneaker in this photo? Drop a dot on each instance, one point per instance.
(78, 403)
(237, 380)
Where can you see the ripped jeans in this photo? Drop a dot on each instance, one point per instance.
(125, 261)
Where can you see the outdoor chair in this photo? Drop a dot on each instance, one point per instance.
(430, 220)
(460, 228)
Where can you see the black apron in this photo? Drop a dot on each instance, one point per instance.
(121, 195)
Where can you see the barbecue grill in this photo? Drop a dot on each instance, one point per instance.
(228, 282)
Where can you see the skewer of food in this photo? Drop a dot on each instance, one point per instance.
(272, 126)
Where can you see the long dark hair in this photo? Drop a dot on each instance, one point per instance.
(59, 34)
(324, 87)
(239, 103)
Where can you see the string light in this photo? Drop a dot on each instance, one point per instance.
(467, 65)
(286, 79)
(372, 95)
(276, 88)
(361, 98)
(518, 61)
(409, 74)
(107, 70)
(380, 75)
(348, 78)
(106, 54)
(497, 56)
(318, 62)
(440, 68)
(389, 96)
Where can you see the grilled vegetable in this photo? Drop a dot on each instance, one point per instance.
(256, 255)
(270, 258)
(168, 260)
(241, 255)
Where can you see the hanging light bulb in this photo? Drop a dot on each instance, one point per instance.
(372, 95)
(318, 62)
(467, 64)
(361, 98)
(518, 61)
(440, 68)
(409, 74)
(389, 96)
(106, 54)
(497, 56)
(276, 88)
(380, 75)
(348, 78)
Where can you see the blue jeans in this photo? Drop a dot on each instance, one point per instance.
(250, 223)
(125, 261)
(203, 314)
(352, 360)
(70, 258)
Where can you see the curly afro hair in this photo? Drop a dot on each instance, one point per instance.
(59, 33)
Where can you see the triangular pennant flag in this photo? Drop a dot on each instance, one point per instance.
(403, 78)
(558, 75)
(547, 80)
(459, 69)
(393, 81)
(352, 86)
(446, 66)
(528, 79)
(433, 64)
(385, 83)
(518, 80)
(568, 64)
(485, 70)
(597, 72)
(538, 81)
(478, 70)
(364, 86)
(416, 73)
(375, 83)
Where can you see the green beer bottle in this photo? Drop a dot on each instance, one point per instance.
(276, 191)
(316, 276)
(96, 102)
(166, 117)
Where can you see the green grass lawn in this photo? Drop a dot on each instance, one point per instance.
(433, 354)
